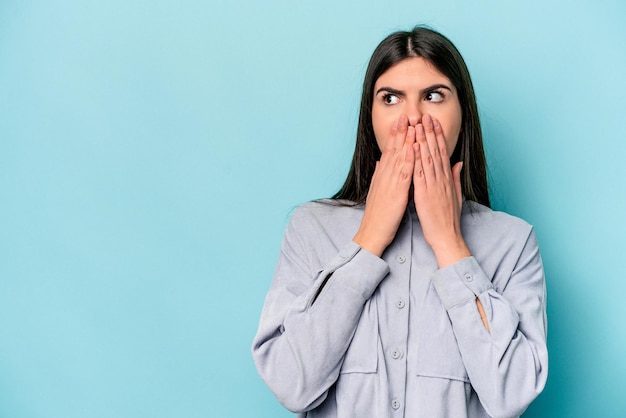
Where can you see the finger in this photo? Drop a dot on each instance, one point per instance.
(426, 158)
(393, 159)
(433, 146)
(409, 163)
(406, 166)
(418, 169)
(456, 174)
(410, 135)
(401, 131)
(441, 139)
(376, 171)
(443, 148)
(394, 128)
(403, 161)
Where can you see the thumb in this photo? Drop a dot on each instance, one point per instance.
(456, 175)
(376, 168)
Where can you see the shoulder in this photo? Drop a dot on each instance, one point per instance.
(501, 227)
(322, 222)
(475, 213)
(501, 243)
(327, 213)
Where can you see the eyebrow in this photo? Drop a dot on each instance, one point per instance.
(401, 93)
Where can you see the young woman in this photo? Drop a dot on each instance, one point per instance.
(406, 295)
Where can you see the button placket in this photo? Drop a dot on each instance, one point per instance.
(395, 337)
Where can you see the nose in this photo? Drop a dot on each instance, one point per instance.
(414, 114)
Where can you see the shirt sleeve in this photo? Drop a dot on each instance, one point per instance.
(508, 364)
(309, 317)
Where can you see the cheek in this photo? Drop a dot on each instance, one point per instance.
(382, 129)
(452, 138)
(381, 138)
(452, 130)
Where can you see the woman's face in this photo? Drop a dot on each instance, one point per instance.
(413, 87)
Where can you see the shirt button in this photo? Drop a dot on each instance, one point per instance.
(401, 259)
(400, 304)
(396, 354)
(469, 277)
(395, 404)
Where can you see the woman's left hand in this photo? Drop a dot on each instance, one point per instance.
(437, 194)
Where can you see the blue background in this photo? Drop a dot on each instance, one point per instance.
(151, 152)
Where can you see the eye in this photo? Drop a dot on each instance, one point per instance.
(390, 99)
(435, 96)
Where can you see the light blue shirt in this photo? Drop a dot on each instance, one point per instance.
(344, 333)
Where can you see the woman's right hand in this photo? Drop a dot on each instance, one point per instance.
(388, 194)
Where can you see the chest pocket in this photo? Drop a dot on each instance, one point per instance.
(362, 354)
(438, 354)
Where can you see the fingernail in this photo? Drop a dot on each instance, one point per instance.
(427, 119)
(436, 123)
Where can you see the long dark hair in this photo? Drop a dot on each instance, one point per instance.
(440, 52)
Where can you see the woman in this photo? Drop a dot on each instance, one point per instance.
(405, 295)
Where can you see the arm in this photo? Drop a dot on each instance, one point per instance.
(501, 335)
(309, 318)
(508, 364)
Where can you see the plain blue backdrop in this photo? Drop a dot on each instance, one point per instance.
(151, 152)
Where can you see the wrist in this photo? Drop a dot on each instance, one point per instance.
(373, 246)
(450, 252)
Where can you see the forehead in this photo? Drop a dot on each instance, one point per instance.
(412, 72)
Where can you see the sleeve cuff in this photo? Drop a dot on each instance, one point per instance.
(361, 270)
(460, 282)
